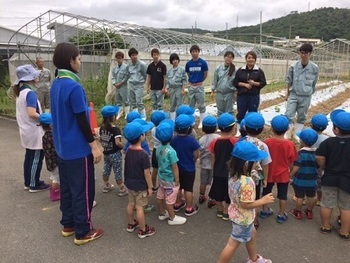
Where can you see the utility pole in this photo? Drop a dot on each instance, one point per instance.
(260, 38)
(226, 31)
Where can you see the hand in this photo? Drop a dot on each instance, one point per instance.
(96, 153)
(212, 96)
(163, 91)
(248, 86)
(287, 94)
(264, 183)
(268, 198)
(251, 82)
(150, 191)
(177, 183)
(182, 92)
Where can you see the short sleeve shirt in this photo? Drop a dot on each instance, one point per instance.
(108, 140)
(157, 73)
(204, 154)
(241, 190)
(196, 69)
(166, 157)
(184, 147)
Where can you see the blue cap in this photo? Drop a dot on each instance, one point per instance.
(185, 109)
(209, 121)
(248, 151)
(109, 111)
(308, 136)
(341, 119)
(45, 118)
(147, 124)
(158, 116)
(132, 116)
(280, 123)
(165, 130)
(319, 121)
(254, 120)
(134, 130)
(184, 121)
(225, 120)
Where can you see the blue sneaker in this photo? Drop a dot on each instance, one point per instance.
(281, 219)
(39, 188)
(266, 213)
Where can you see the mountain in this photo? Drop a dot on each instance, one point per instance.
(325, 23)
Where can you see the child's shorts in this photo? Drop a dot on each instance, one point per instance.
(242, 234)
(282, 190)
(154, 160)
(140, 198)
(333, 197)
(167, 193)
(187, 180)
(300, 193)
(206, 176)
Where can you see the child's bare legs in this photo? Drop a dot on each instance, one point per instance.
(188, 199)
(179, 197)
(251, 247)
(130, 213)
(326, 214)
(171, 211)
(220, 206)
(105, 180)
(228, 252)
(310, 203)
(319, 195)
(298, 204)
(160, 206)
(283, 206)
(345, 222)
(202, 189)
(140, 215)
(154, 177)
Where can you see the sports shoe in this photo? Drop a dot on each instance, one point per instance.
(266, 213)
(260, 259)
(225, 217)
(194, 210)
(38, 188)
(149, 208)
(296, 214)
(219, 213)
(177, 220)
(122, 191)
(90, 236)
(94, 203)
(202, 199)
(308, 213)
(131, 227)
(155, 189)
(325, 230)
(164, 216)
(68, 231)
(149, 231)
(26, 187)
(281, 218)
(108, 187)
(211, 203)
(178, 207)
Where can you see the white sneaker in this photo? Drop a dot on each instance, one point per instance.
(94, 203)
(177, 220)
(260, 260)
(122, 191)
(163, 217)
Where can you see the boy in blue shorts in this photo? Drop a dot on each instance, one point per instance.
(333, 156)
(138, 178)
(168, 174)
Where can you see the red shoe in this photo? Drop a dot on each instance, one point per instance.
(90, 236)
(308, 213)
(297, 214)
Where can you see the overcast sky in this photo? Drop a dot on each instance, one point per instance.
(208, 14)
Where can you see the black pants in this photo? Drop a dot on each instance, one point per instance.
(33, 162)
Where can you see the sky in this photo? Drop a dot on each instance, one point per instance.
(205, 14)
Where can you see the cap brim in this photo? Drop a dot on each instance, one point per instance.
(335, 113)
(147, 127)
(261, 156)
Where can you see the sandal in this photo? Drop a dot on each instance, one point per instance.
(345, 237)
(325, 230)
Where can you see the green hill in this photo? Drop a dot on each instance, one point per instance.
(324, 23)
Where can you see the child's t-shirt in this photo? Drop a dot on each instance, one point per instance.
(222, 148)
(283, 153)
(156, 142)
(321, 138)
(108, 137)
(204, 154)
(144, 146)
(241, 190)
(306, 177)
(136, 161)
(184, 147)
(166, 157)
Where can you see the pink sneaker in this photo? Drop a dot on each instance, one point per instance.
(259, 259)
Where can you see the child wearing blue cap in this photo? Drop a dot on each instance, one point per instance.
(187, 150)
(168, 174)
(50, 156)
(221, 152)
(319, 123)
(138, 178)
(242, 206)
(283, 154)
(333, 156)
(304, 174)
(206, 173)
(111, 141)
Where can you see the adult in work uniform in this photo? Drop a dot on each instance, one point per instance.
(43, 85)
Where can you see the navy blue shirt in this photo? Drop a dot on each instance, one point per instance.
(184, 147)
(195, 70)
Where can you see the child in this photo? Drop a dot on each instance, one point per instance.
(254, 125)
(156, 118)
(187, 149)
(304, 174)
(333, 157)
(221, 149)
(176, 81)
(168, 174)
(138, 178)
(110, 138)
(197, 71)
(185, 109)
(209, 128)
(242, 196)
(156, 80)
(319, 123)
(50, 156)
(283, 154)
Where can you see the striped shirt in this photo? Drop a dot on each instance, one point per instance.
(306, 177)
